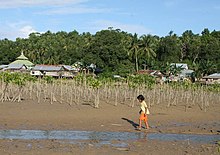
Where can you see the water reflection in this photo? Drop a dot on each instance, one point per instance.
(103, 137)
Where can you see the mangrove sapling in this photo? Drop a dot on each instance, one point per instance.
(71, 93)
(161, 94)
(30, 84)
(20, 82)
(116, 93)
(38, 90)
(95, 84)
(47, 83)
(85, 87)
(206, 100)
(61, 90)
(79, 93)
(5, 94)
(202, 97)
(153, 94)
(132, 86)
(111, 93)
(1, 91)
(157, 95)
(125, 94)
(108, 85)
(77, 85)
(53, 92)
(169, 96)
(45, 90)
(65, 91)
(75, 93)
(193, 95)
(2, 85)
(30, 89)
(133, 96)
(187, 94)
(6, 77)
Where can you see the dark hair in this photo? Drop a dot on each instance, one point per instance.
(140, 97)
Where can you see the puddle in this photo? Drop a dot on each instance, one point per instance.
(208, 139)
(103, 138)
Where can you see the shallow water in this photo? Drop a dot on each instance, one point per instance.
(103, 137)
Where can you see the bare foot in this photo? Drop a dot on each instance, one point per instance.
(139, 129)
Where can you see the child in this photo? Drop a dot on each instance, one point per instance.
(143, 112)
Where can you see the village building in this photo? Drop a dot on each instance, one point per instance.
(155, 73)
(21, 62)
(17, 68)
(57, 71)
(212, 79)
(2, 67)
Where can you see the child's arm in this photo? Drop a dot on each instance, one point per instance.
(146, 110)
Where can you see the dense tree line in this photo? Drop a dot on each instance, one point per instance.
(117, 51)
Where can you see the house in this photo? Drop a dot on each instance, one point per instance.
(68, 71)
(154, 73)
(211, 79)
(54, 71)
(16, 68)
(160, 78)
(22, 60)
(2, 67)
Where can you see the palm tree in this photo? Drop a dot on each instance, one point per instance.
(208, 67)
(134, 49)
(147, 47)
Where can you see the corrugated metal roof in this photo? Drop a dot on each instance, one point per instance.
(67, 67)
(53, 68)
(47, 68)
(70, 68)
(3, 66)
(212, 76)
(15, 66)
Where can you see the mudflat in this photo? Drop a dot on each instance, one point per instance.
(30, 115)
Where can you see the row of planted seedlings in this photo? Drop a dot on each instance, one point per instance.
(172, 94)
(184, 94)
(13, 86)
(89, 90)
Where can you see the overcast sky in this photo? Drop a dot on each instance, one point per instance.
(18, 18)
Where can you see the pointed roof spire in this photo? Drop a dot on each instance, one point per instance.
(22, 60)
(22, 57)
